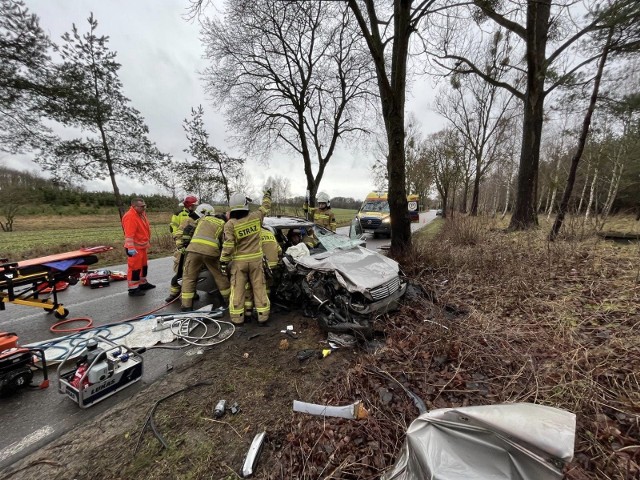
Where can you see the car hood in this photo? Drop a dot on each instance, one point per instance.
(357, 268)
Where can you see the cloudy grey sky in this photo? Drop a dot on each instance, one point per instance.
(161, 53)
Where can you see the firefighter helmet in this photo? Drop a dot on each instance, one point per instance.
(238, 201)
(189, 201)
(205, 209)
(322, 198)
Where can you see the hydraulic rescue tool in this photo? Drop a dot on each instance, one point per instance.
(99, 372)
(18, 363)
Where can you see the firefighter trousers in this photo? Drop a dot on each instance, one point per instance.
(175, 286)
(192, 265)
(243, 273)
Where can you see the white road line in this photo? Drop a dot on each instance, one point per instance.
(30, 439)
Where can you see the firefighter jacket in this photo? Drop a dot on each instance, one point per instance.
(178, 217)
(137, 232)
(207, 236)
(325, 218)
(182, 235)
(270, 248)
(242, 235)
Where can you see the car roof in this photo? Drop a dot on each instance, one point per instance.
(282, 221)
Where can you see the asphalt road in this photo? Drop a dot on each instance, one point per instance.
(32, 418)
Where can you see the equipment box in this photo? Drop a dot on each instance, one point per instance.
(105, 373)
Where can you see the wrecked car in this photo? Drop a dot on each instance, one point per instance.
(339, 281)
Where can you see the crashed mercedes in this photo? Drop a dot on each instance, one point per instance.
(339, 281)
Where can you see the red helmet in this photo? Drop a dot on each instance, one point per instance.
(190, 201)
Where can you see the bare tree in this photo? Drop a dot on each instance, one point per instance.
(387, 32)
(280, 192)
(445, 151)
(291, 75)
(547, 34)
(621, 37)
(481, 112)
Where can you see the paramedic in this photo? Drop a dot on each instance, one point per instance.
(137, 236)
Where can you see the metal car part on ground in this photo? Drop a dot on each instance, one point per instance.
(343, 284)
(519, 441)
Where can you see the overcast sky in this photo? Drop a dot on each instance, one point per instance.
(161, 55)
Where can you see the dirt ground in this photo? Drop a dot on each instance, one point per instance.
(257, 368)
(494, 317)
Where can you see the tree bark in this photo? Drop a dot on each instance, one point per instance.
(524, 211)
(584, 133)
(591, 195)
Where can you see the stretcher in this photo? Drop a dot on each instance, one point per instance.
(24, 282)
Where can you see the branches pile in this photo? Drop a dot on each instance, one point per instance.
(517, 319)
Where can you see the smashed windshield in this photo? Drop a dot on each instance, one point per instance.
(380, 206)
(330, 241)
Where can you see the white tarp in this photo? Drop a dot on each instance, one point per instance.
(520, 441)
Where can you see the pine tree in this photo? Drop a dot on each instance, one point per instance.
(89, 97)
(24, 60)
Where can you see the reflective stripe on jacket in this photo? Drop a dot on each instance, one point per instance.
(242, 235)
(179, 236)
(270, 247)
(207, 236)
(137, 232)
(325, 218)
(177, 219)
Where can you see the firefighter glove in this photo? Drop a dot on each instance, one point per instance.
(305, 207)
(267, 193)
(132, 252)
(224, 268)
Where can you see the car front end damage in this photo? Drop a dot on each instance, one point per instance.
(345, 289)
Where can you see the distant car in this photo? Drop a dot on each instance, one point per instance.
(344, 283)
(439, 212)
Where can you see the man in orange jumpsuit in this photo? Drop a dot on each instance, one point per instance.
(137, 236)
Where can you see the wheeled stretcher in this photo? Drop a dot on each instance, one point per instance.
(22, 282)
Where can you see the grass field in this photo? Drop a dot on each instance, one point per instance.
(35, 236)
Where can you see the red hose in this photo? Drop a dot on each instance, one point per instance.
(89, 321)
(54, 328)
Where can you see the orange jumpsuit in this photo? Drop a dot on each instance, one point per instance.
(137, 235)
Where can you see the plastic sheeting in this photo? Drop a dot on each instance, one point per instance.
(520, 441)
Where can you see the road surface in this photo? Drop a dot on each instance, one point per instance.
(32, 418)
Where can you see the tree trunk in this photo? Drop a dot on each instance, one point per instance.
(506, 200)
(613, 190)
(584, 189)
(524, 212)
(476, 190)
(591, 195)
(465, 193)
(584, 133)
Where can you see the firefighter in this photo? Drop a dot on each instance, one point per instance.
(243, 249)
(309, 238)
(204, 249)
(322, 215)
(137, 238)
(272, 252)
(181, 228)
